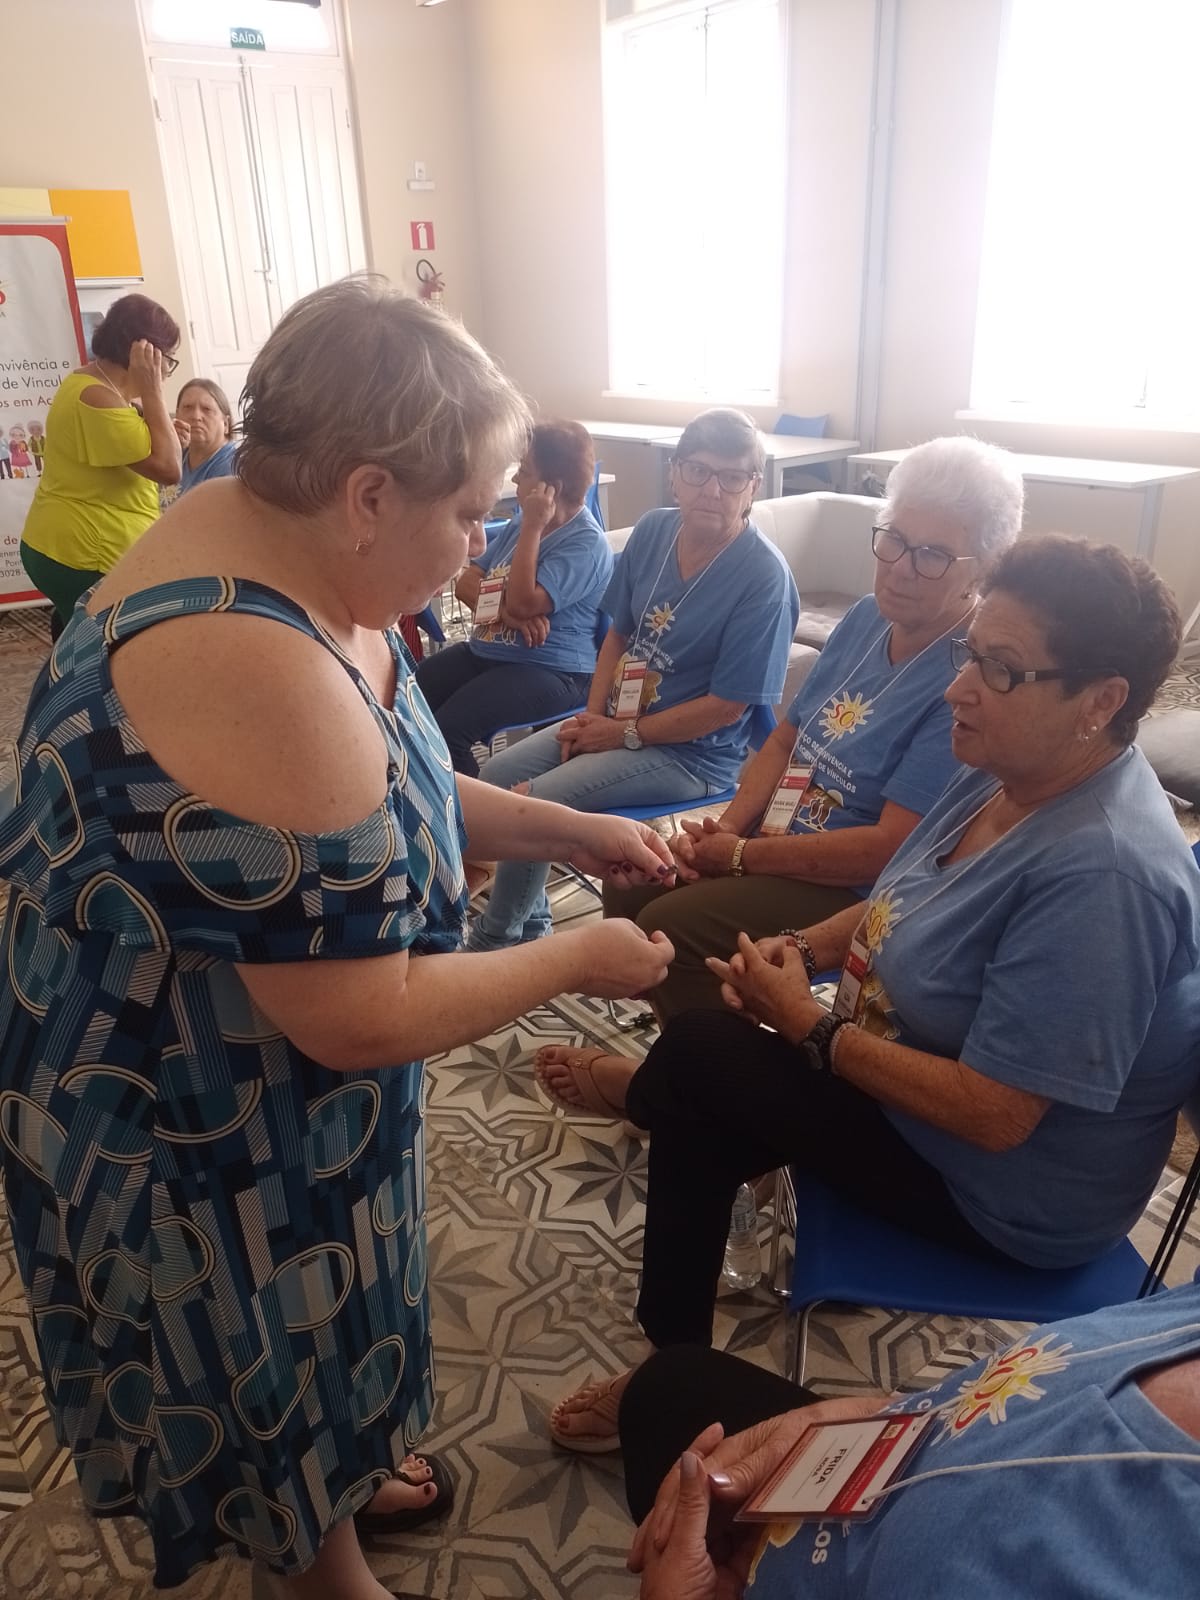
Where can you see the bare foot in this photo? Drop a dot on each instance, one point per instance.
(586, 1421)
(585, 1080)
(408, 1492)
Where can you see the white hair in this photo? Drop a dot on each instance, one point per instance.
(976, 484)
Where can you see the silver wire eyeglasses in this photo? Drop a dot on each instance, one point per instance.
(1003, 679)
(929, 560)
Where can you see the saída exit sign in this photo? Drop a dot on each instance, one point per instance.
(246, 39)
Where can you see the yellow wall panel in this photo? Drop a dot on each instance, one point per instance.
(100, 231)
(24, 202)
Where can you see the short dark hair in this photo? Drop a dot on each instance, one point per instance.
(134, 317)
(1104, 613)
(215, 392)
(564, 454)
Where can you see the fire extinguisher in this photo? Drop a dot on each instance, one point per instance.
(430, 283)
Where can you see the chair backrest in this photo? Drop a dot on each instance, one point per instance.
(824, 538)
(592, 498)
(801, 427)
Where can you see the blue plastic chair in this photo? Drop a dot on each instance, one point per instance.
(806, 428)
(430, 626)
(592, 499)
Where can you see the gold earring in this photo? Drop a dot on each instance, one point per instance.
(362, 546)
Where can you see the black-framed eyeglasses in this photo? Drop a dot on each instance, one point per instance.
(1003, 679)
(733, 480)
(170, 364)
(929, 560)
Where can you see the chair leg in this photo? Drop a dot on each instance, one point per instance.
(776, 1251)
(800, 1354)
(1176, 1226)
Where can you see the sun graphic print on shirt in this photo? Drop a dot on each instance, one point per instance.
(1011, 1375)
(880, 919)
(843, 714)
(874, 1011)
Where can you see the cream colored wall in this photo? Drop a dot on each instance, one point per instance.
(79, 94)
(536, 68)
(409, 71)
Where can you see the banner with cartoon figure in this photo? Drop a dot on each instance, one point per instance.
(41, 340)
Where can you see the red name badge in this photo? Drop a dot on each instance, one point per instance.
(854, 974)
(785, 802)
(487, 606)
(630, 689)
(837, 1471)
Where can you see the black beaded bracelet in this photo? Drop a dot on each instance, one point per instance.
(805, 949)
(817, 1043)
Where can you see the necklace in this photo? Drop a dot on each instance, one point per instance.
(109, 382)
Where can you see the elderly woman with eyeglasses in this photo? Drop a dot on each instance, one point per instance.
(862, 753)
(703, 609)
(104, 456)
(1018, 1017)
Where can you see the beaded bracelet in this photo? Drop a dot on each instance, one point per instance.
(805, 949)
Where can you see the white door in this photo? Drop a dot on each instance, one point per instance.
(220, 235)
(259, 163)
(310, 185)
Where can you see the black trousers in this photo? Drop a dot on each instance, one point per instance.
(678, 1393)
(724, 1102)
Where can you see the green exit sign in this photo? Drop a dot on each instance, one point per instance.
(246, 39)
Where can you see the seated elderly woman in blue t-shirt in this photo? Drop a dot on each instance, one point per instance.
(535, 593)
(864, 749)
(703, 610)
(1018, 1015)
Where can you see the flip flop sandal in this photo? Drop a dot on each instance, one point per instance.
(372, 1524)
(601, 1404)
(579, 1064)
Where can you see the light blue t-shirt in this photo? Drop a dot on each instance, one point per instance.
(1079, 1530)
(724, 632)
(1065, 961)
(218, 465)
(574, 566)
(873, 731)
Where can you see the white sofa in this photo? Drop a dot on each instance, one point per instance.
(826, 541)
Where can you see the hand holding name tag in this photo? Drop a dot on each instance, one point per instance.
(765, 992)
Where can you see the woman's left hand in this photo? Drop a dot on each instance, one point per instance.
(587, 735)
(712, 847)
(685, 1568)
(537, 505)
(778, 995)
(621, 852)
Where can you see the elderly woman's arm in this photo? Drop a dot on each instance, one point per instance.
(466, 585)
(938, 1090)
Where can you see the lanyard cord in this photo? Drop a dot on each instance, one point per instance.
(678, 606)
(1182, 1457)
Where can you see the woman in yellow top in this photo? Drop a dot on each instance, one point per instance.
(103, 458)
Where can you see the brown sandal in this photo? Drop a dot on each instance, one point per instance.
(598, 1401)
(580, 1064)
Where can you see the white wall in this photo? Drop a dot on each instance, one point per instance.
(409, 70)
(536, 68)
(78, 92)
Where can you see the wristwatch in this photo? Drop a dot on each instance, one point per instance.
(736, 869)
(632, 738)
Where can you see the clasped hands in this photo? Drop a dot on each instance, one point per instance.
(766, 983)
(586, 734)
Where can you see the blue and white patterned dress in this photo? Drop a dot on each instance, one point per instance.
(223, 1242)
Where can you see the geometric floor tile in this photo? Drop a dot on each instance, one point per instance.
(535, 1239)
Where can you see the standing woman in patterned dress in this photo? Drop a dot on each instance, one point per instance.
(234, 846)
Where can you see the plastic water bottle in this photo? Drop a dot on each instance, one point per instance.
(743, 1265)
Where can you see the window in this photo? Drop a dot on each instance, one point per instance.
(1087, 303)
(694, 137)
(303, 26)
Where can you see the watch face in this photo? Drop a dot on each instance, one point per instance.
(633, 740)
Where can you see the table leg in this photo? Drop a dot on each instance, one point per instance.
(770, 485)
(602, 490)
(1147, 534)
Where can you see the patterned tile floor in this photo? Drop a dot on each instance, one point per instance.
(534, 1232)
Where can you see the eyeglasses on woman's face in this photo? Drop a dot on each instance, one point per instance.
(1003, 679)
(170, 364)
(732, 480)
(929, 560)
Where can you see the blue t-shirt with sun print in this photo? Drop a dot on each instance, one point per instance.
(873, 731)
(1001, 1519)
(724, 631)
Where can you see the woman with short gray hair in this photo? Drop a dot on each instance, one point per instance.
(232, 938)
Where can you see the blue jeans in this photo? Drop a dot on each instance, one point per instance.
(471, 697)
(518, 909)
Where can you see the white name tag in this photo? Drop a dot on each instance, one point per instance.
(487, 607)
(854, 975)
(836, 1471)
(630, 689)
(786, 801)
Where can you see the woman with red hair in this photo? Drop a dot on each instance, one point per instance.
(104, 456)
